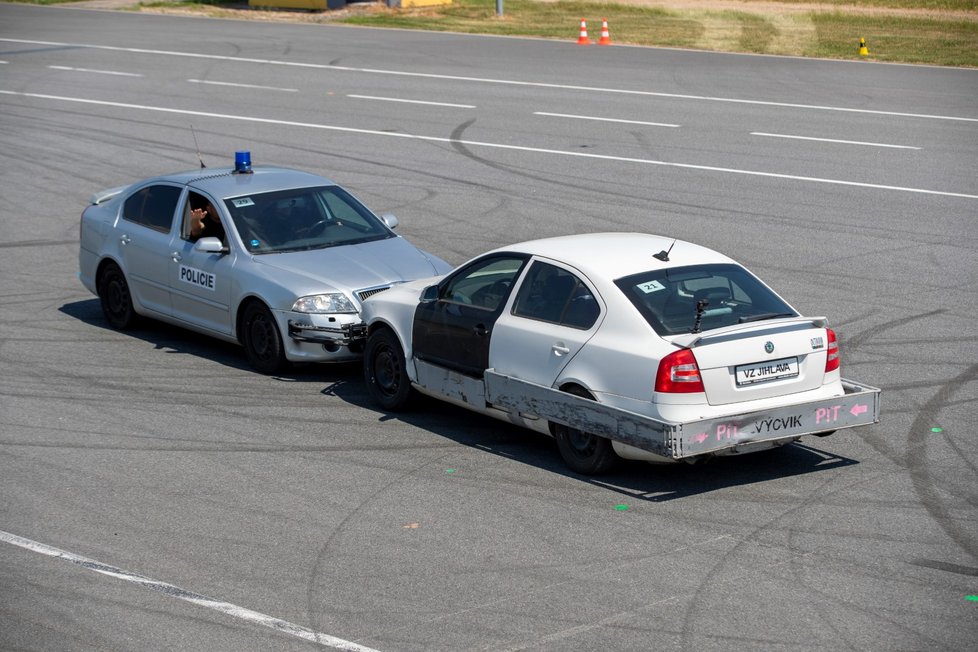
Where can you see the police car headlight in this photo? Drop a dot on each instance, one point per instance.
(323, 303)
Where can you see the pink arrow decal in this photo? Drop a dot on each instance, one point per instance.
(858, 409)
(700, 438)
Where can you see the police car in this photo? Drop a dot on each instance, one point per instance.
(617, 344)
(276, 259)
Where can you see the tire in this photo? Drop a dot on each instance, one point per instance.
(385, 371)
(261, 339)
(583, 452)
(116, 300)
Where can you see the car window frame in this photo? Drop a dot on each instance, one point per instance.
(218, 205)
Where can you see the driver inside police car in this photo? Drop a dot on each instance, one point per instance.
(205, 221)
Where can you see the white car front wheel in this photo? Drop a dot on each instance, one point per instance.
(385, 371)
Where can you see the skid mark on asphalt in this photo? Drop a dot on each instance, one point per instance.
(926, 485)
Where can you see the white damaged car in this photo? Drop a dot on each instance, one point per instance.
(617, 344)
(275, 259)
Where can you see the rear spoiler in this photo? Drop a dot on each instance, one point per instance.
(692, 340)
(103, 196)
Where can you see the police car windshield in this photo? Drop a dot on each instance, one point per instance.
(668, 298)
(303, 218)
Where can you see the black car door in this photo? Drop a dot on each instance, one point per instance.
(453, 329)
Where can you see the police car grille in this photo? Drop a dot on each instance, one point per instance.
(363, 294)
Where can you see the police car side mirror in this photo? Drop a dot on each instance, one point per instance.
(430, 294)
(210, 245)
(390, 220)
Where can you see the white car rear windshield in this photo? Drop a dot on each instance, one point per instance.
(701, 297)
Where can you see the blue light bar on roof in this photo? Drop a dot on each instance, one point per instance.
(242, 162)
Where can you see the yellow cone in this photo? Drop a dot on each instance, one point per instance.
(863, 50)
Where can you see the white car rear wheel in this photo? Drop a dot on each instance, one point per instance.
(584, 452)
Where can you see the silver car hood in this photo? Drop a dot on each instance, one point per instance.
(358, 266)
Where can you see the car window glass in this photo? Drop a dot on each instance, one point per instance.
(484, 284)
(341, 206)
(668, 298)
(303, 218)
(213, 225)
(153, 206)
(583, 309)
(550, 293)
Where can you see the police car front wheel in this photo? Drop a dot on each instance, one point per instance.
(261, 339)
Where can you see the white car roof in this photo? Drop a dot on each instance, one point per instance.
(615, 255)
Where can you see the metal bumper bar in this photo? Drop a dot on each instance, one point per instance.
(860, 405)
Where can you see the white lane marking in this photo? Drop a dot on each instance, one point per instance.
(475, 143)
(263, 88)
(624, 618)
(832, 140)
(322, 66)
(100, 72)
(227, 608)
(396, 99)
(591, 117)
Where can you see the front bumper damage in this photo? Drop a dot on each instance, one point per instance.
(339, 335)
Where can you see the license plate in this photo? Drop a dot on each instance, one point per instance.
(760, 372)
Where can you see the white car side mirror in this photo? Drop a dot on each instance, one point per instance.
(430, 294)
(390, 220)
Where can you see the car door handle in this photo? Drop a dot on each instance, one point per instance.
(125, 239)
(175, 255)
(560, 349)
(480, 330)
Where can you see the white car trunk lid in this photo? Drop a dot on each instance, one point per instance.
(762, 361)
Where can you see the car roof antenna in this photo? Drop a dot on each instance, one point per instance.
(664, 254)
(197, 145)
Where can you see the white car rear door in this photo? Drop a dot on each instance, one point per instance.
(552, 315)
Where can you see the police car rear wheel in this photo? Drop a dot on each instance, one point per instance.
(385, 371)
(113, 293)
(584, 452)
(261, 339)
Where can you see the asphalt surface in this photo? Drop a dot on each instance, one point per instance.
(155, 493)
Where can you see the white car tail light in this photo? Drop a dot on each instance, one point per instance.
(679, 373)
(832, 358)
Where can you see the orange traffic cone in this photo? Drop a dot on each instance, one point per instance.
(583, 39)
(605, 37)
